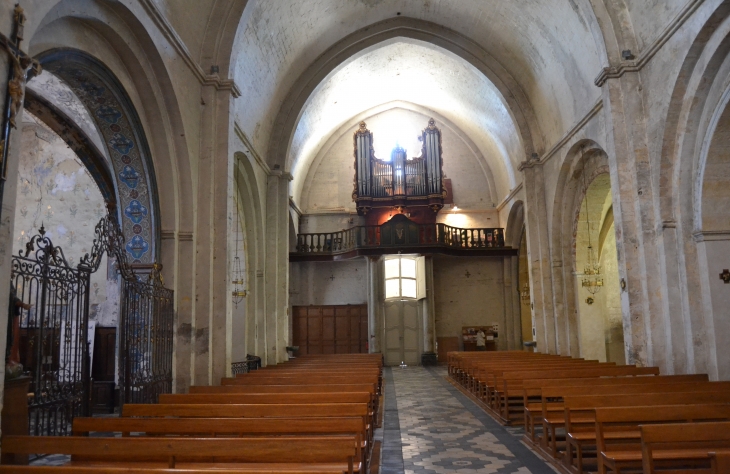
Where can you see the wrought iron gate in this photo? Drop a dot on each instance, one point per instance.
(55, 331)
(54, 334)
(145, 362)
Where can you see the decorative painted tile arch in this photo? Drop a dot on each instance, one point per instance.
(121, 130)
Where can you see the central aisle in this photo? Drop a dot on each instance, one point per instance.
(431, 427)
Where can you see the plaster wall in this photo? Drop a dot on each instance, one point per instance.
(329, 182)
(473, 300)
(312, 283)
(56, 191)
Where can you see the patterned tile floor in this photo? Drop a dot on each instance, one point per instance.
(431, 427)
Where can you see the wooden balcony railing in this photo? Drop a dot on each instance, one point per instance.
(401, 234)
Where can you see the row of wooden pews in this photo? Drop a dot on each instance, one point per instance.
(315, 414)
(587, 416)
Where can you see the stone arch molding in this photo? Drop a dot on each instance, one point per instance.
(585, 157)
(699, 98)
(120, 128)
(355, 43)
(301, 187)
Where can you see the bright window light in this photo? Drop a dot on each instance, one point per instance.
(392, 288)
(392, 268)
(404, 277)
(408, 268)
(392, 132)
(408, 288)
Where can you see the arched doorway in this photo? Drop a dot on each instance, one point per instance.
(597, 281)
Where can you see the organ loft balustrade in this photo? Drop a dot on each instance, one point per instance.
(400, 234)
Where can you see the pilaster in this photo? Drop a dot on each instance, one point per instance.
(211, 306)
(636, 236)
(375, 306)
(276, 277)
(538, 257)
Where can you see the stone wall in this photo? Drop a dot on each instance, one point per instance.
(57, 192)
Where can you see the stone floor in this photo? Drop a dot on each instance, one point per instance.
(431, 427)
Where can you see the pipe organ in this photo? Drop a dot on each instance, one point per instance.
(400, 184)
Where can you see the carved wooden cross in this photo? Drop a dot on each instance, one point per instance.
(20, 66)
(725, 276)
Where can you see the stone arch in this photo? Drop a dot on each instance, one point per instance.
(584, 157)
(118, 123)
(92, 158)
(299, 190)
(515, 225)
(251, 218)
(292, 107)
(115, 32)
(696, 107)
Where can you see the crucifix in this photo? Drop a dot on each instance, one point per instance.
(332, 278)
(22, 68)
(725, 276)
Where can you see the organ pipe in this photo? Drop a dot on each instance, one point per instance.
(400, 177)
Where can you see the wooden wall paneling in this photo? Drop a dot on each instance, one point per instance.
(328, 329)
(314, 331)
(341, 329)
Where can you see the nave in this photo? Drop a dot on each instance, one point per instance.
(431, 427)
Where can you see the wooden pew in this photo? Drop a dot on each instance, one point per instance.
(617, 429)
(338, 452)
(532, 392)
(324, 388)
(720, 461)
(228, 427)
(551, 397)
(252, 411)
(510, 401)
(579, 413)
(682, 445)
(133, 470)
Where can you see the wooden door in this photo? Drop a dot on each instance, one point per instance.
(341, 329)
(402, 333)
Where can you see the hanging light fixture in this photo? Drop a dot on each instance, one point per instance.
(237, 268)
(592, 280)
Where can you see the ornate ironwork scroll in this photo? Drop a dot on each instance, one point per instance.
(54, 333)
(145, 323)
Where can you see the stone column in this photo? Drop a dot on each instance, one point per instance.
(636, 226)
(512, 330)
(375, 305)
(538, 257)
(7, 242)
(212, 210)
(428, 357)
(277, 267)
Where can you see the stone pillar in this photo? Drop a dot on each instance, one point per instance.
(538, 257)
(212, 210)
(277, 267)
(636, 226)
(428, 357)
(375, 305)
(7, 219)
(513, 322)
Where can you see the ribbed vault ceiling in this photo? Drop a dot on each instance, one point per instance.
(545, 50)
(419, 73)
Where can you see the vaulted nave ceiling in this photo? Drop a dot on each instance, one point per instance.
(543, 55)
(398, 73)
